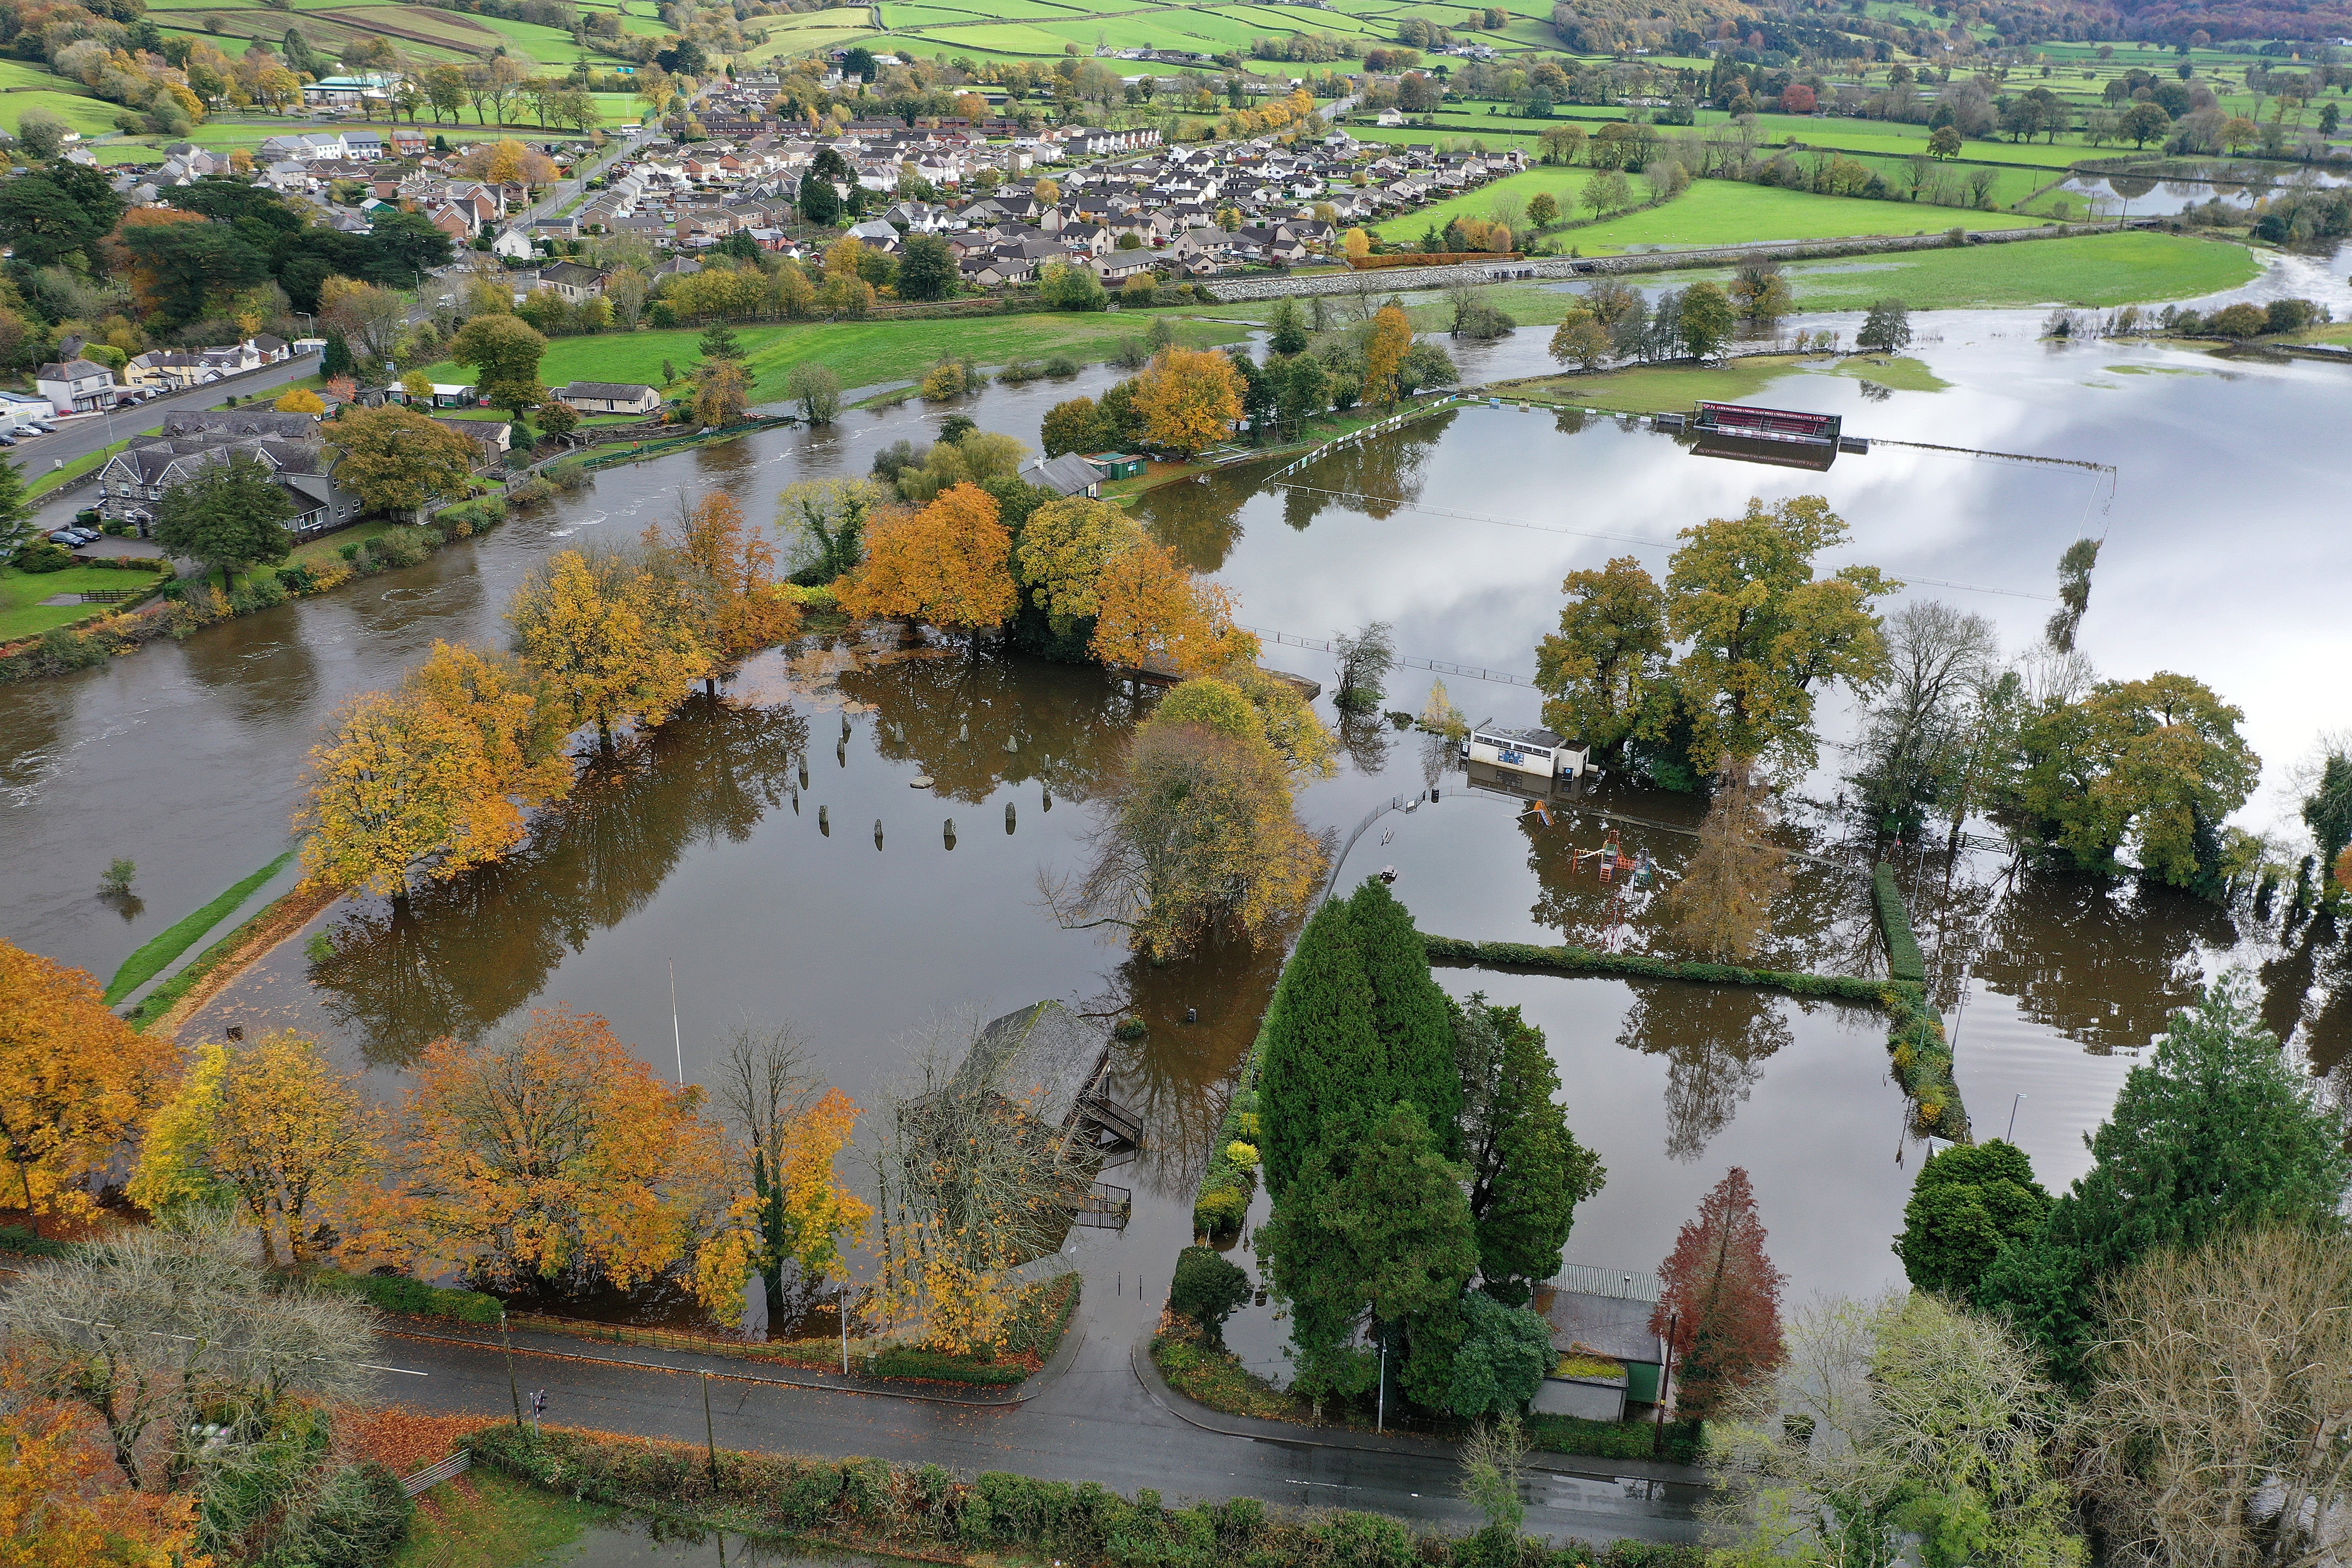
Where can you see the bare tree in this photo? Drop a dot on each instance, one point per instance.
(148, 1327)
(1916, 728)
(2216, 1433)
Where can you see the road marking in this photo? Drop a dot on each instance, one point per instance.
(1335, 1486)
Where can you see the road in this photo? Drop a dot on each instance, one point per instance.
(1094, 1421)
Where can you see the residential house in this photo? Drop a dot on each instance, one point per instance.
(80, 385)
(132, 483)
(610, 397)
(1067, 475)
(575, 281)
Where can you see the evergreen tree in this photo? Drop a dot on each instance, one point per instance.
(1409, 1013)
(1207, 1288)
(1503, 1359)
(1968, 1203)
(1528, 1172)
(2217, 1132)
(337, 360)
(231, 515)
(15, 509)
(1377, 1227)
(1289, 324)
(719, 342)
(1320, 1047)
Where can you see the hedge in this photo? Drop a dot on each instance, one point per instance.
(906, 1361)
(1685, 1441)
(1904, 960)
(925, 1510)
(399, 1293)
(1915, 1035)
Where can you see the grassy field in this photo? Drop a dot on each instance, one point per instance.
(22, 613)
(864, 353)
(2099, 270)
(1724, 212)
(182, 934)
(482, 1520)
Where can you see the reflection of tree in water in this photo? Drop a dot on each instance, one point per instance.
(1175, 1077)
(1201, 522)
(951, 716)
(1715, 1040)
(2101, 962)
(465, 954)
(1386, 469)
(2307, 998)
(1365, 738)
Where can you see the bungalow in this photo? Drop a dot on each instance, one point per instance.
(609, 397)
(1068, 475)
(575, 281)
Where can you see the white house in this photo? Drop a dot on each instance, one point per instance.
(1535, 754)
(609, 397)
(18, 410)
(512, 244)
(80, 385)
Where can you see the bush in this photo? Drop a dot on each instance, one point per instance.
(570, 474)
(296, 578)
(404, 547)
(1207, 1288)
(399, 1293)
(354, 1520)
(1685, 1441)
(63, 649)
(1904, 960)
(1218, 1211)
(533, 489)
(20, 1239)
(819, 597)
(1060, 366)
(908, 1361)
(42, 557)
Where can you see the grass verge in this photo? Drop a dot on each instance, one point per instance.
(220, 963)
(75, 469)
(175, 937)
(484, 1520)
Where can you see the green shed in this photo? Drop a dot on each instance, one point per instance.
(1117, 465)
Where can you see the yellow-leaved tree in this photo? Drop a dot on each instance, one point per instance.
(1151, 612)
(606, 641)
(272, 1127)
(789, 1211)
(75, 1083)
(1065, 546)
(1189, 398)
(950, 563)
(555, 1152)
(439, 775)
(301, 400)
(1392, 339)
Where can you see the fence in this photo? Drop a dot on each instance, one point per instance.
(424, 1480)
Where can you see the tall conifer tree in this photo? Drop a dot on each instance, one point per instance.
(1409, 1014)
(1322, 1051)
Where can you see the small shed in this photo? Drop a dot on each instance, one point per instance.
(1599, 1316)
(1117, 465)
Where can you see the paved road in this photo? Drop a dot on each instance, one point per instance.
(1095, 1421)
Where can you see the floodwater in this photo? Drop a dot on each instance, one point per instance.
(739, 850)
(2175, 184)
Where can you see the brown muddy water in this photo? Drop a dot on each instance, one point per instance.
(739, 843)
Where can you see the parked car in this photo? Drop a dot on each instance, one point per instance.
(68, 537)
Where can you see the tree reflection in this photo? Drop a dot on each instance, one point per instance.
(1201, 523)
(2102, 963)
(951, 716)
(464, 954)
(1370, 475)
(1365, 738)
(1715, 1040)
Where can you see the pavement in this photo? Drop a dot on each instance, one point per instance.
(1098, 1412)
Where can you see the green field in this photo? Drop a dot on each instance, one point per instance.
(1718, 212)
(22, 613)
(864, 353)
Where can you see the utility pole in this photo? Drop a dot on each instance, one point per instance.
(709, 1434)
(1665, 1387)
(514, 1389)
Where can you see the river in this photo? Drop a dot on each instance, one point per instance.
(740, 846)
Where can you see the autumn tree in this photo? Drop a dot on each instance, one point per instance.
(1581, 339)
(439, 773)
(602, 642)
(270, 1126)
(1385, 350)
(1719, 1308)
(62, 1502)
(1071, 427)
(1600, 672)
(368, 319)
(554, 1152)
(399, 459)
(75, 1083)
(729, 571)
(1152, 613)
(1064, 547)
(1196, 833)
(1722, 906)
(301, 400)
(817, 389)
(950, 563)
(790, 1212)
(1763, 633)
(827, 521)
(1189, 398)
(2156, 764)
(722, 393)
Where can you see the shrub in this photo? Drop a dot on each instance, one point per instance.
(2239, 320)
(819, 597)
(570, 474)
(1060, 366)
(902, 1361)
(1904, 960)
(404, 547)
(354, 1520)
(399, 1293)
(534, 489)
(63, 649)
(296, 578)
(1207, 1288)
(1218, 1211)
(43, 557)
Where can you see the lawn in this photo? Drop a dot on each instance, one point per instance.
(1727, 212)
(482, 1519)
(1561, 184)
(2096, 271)
(22, 613)
(1660, 389)
(863, 352)
(90, 116)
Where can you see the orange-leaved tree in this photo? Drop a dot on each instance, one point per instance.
(62, 1501)
(75, 1083)
(273, 1128)
(1392, 339)
(1150, 611)
(605, 640)
(439, 772)
(950, 563)
(554, 1152)
(1189, 398)
(730, 569)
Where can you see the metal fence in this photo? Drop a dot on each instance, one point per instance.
(430, 1476)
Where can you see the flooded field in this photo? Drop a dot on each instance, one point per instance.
(768, 844)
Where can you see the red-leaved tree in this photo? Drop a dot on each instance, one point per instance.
(1721, 1299)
